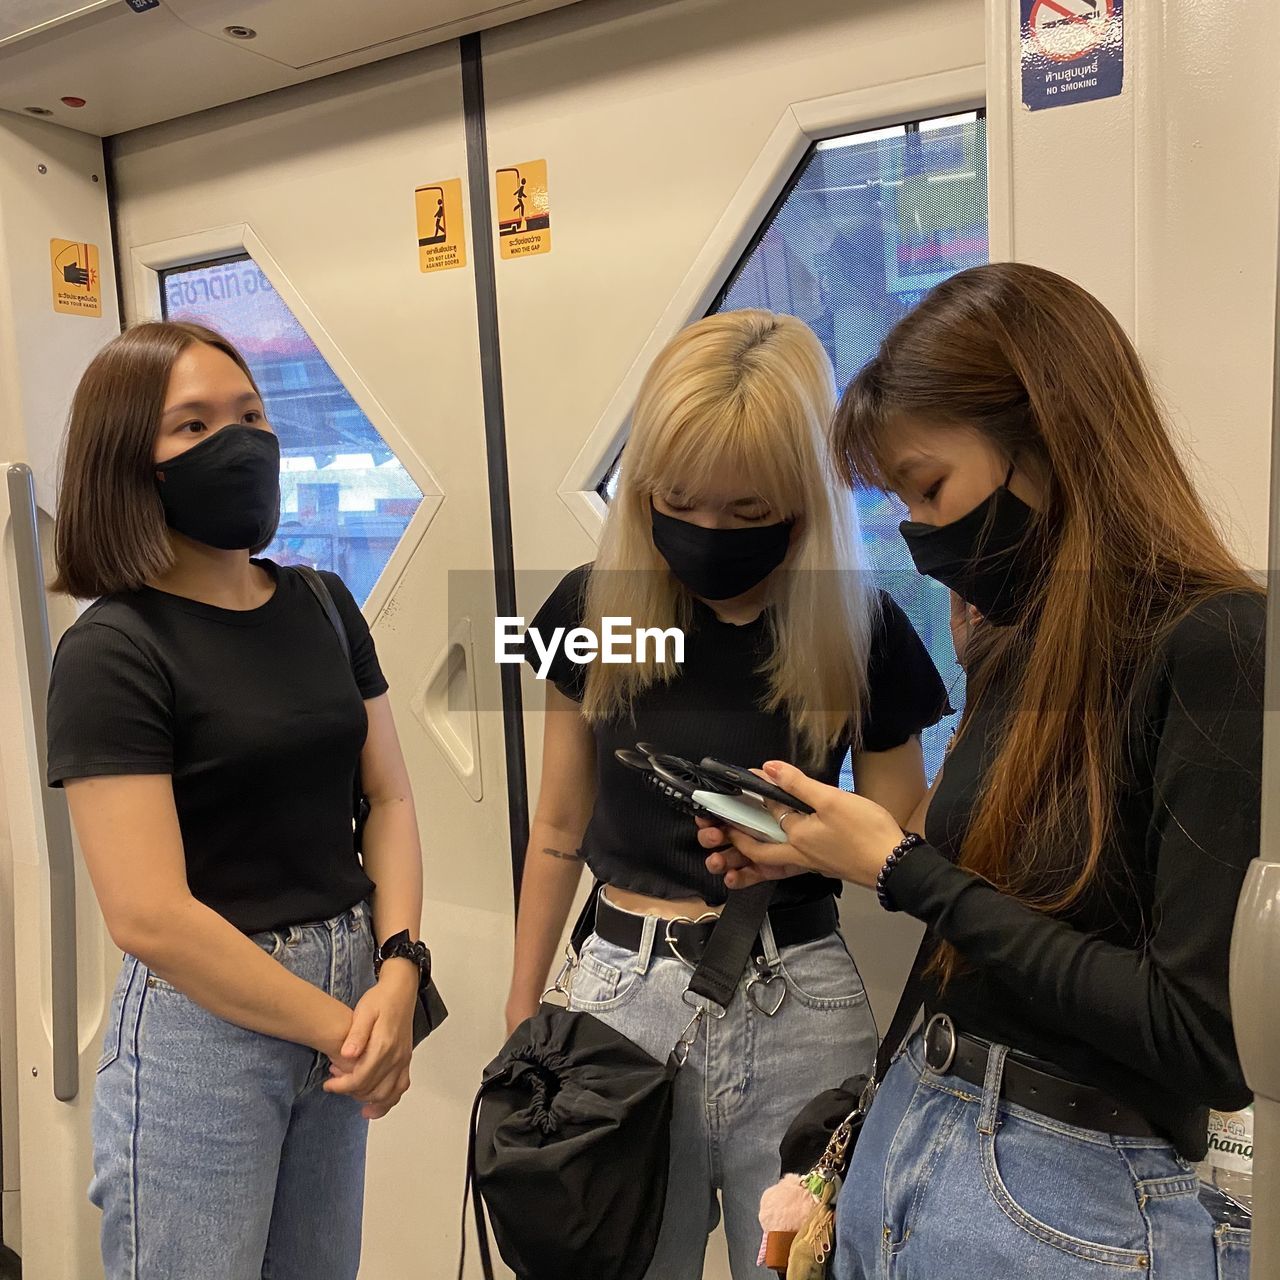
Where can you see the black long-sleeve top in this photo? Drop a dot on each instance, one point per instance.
(1127, 990)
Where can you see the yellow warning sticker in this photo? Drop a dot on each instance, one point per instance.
(524, 209)
(77, 283)
(441, 234)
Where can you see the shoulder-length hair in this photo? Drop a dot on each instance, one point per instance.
(754, 391)
(111, 533)
(1041, 369)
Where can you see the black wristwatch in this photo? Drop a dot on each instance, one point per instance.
(400, 947)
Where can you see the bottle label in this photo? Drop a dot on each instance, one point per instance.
(1231, 1141)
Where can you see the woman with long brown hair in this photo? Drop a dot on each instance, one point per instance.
(1085, 844)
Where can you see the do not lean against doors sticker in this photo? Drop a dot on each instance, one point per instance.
(1072, 51)
(441, 243)
(523, 208)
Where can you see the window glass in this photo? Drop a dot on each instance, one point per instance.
(869, 223)
(345, 499)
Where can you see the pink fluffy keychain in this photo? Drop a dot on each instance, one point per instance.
(798, 1214)
(804, 1209)
(785, 1209)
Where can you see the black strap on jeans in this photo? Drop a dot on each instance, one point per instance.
(729, 947)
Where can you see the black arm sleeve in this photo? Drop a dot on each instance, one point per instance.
(1163, 1011)
(563, 608)
(110, 708)
(905, 693)
(364, 657)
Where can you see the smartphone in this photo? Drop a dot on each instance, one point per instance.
(725, 793)
(737, 776)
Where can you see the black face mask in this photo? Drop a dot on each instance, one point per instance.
(985, 557)
(718, 564)
(225, 492)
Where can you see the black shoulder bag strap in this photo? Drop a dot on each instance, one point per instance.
(909, 1003)
(316, 585)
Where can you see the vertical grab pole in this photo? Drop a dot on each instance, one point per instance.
(1255, 942)
(34, 622)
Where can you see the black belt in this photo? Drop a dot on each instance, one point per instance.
(951, 1052)
(684, 939)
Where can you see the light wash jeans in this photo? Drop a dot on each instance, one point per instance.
(949, 1181)
(217, 1155)
(745, 1081)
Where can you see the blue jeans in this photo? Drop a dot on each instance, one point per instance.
(217, 1155)
(947, 1180)
(746, 1078)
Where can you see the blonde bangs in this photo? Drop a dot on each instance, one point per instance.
(703, 439)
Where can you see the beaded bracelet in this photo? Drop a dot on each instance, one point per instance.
(909, 841)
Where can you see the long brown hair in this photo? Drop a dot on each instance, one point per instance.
(1039, 367)
(111, 533)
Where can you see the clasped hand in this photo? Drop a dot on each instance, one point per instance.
(373, 1064)
(847, 837)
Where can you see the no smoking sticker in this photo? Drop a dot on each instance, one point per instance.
(1072, 51)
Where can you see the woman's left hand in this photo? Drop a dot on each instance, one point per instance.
(847, 836)
(374, 1068)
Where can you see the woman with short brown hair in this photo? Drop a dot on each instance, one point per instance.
(208, 727)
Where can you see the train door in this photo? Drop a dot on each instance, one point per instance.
(57, 306)
(661, 149)
(324, 228)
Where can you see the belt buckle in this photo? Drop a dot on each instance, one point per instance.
(940, 1044)
(669, 937)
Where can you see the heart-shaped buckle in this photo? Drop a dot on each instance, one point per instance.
(668, 935)
(767, 989)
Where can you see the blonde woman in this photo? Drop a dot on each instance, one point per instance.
(729, 524)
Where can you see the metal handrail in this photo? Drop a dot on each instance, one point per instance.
(34, 621)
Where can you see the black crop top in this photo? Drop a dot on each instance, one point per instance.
(257, 718)
(713, 707)
(1128, 990)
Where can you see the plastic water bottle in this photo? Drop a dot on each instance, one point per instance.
(1229, 1164)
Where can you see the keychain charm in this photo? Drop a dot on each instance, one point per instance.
(767, 988)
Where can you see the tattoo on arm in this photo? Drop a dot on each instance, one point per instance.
(564, 857)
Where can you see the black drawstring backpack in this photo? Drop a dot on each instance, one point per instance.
(570, 1132)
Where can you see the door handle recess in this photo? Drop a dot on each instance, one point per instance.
(445, 706)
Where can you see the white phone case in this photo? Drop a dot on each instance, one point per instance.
(745, 812)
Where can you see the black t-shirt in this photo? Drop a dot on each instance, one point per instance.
(715, 707)
(258, 718)
(1127, 990)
